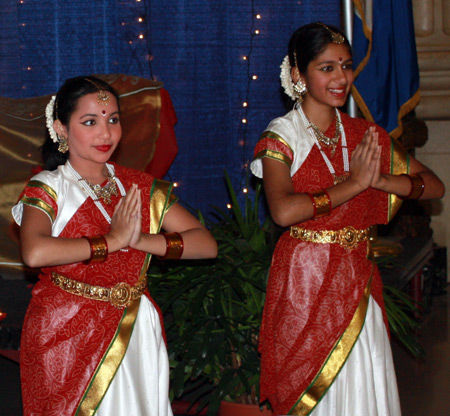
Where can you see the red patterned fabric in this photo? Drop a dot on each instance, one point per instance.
(65, 336)
(314, 289)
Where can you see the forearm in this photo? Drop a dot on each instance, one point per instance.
(43, 251)
(53, 251)
(294, 208)
(197, 243)
(400, 185)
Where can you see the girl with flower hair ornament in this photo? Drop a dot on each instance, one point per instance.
(328, 177)
(92, 341)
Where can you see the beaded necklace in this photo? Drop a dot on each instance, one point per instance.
(96, 194)
(310, 127)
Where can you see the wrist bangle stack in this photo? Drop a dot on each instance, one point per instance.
(99, 249)
(321, 203)
(417, 186)
(174, 246)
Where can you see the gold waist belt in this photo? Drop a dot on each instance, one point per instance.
(347, 237)
(120, 296)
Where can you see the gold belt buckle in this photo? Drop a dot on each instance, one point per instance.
(121, 295)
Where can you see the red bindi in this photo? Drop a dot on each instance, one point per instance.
(103, 113)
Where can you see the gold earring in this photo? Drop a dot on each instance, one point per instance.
(63, 146)
(300, 90)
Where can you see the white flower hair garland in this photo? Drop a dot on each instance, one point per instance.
(286, 79)
(49, 119)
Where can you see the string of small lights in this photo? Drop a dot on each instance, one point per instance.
(146, 36)
(251, 77)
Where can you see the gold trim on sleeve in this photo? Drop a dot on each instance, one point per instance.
(43, 206)
(335, 360)
(274, 155)
(272, 135)
(47, 189)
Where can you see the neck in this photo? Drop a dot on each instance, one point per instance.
(321, 116)
(95, 173)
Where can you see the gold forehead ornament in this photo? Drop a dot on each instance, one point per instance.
(102, 97)
(335, 36)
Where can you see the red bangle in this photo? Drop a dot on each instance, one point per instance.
(174, 246)
(99, 249)
(417, 186)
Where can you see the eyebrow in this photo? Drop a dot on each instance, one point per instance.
(96, 115)
(331, 62)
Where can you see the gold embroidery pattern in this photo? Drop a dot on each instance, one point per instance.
(120, 296)
(347, 237)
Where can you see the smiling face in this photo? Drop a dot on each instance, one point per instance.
(328, 78)
(93, 131)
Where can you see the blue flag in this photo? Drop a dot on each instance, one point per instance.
(386, 83)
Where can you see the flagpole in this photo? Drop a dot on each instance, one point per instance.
(347, 7)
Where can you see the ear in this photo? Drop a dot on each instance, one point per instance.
(60, 128)
(295, 74)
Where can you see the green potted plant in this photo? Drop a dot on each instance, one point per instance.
(213, 309)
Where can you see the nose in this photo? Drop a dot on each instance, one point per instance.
(343, 76)
(105, 130)
(340, 75)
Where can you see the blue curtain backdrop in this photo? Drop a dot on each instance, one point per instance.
(386, 86)
(196, 47)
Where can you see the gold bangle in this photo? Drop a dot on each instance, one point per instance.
(321, 203)
(417, 186)
(174, 246)
(99, 249)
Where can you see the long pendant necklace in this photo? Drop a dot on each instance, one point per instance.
(310, 127)
(97, 194)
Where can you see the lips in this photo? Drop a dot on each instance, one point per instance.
(338, 92)
(103, 148)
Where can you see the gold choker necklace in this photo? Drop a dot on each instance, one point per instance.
(104, 192)
(327, 141)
